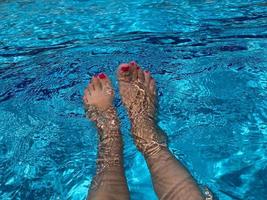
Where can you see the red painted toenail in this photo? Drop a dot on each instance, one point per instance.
(137, 67)
(146, 72)
(125, 68)
(102, 76)
(132, 63)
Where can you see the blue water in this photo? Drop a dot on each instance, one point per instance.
(210, 62)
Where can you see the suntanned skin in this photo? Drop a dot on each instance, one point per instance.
(170, 179)
(109, 181)
(138, 91)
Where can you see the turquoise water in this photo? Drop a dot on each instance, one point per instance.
(210, 62)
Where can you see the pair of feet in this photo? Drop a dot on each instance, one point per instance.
(136, 86)
(138, 92)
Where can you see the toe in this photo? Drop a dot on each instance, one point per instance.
(96, 83)
(140, 75)
(147, 78)
(105, 81)
(86, 96)
(124, 72)
(134, 70)
(91, 88)
(152, 86)
(132, 63)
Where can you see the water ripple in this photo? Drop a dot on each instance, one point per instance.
(208, 58)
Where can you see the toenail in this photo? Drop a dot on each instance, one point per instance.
(146, 72)
(102, 76)
(137, 67)
(132, 63)
(125, 68)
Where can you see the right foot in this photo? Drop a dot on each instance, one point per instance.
(138, 92)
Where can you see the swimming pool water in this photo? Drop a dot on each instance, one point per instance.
(210, 62)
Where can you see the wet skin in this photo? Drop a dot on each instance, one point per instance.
(170, 178)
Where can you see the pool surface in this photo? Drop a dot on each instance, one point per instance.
(209, 59)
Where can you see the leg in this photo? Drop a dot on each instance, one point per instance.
(109, 182)
(170, 179)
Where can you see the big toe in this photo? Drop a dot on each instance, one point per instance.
(105, 83)
(124, 72)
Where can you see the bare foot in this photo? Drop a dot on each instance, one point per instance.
(99, 92)
(98, 102)
(109, 181)
(138, 92)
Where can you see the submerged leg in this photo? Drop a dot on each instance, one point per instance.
(170, 178)
(109, 182)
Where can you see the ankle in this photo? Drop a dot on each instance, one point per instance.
(105, 120)
(148, 137)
